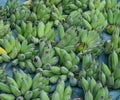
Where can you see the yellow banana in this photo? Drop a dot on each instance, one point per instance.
(2, 51)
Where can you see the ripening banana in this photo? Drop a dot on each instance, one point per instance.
(2, 51)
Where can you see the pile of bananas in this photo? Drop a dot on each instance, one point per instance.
(49, 42)
(89, 41)
(22, 86)
(110, 75)
(94, 90)
(89, 68)
(34, 33)
(9, 8)
(62, 93)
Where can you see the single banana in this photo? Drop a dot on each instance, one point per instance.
(84, 84)
(113, 60)
(15, 90)
(11, 81)
(44, 96)
(117, 84)
(106, 70)
(88, 95)
(37, 61)
(28, 95)
(61, 31)
(102, 78)
(87, 24)
(54, 79)
(7, 96)
(36, 93)
(5, 88)
(55, 70)
(30, 67)
(116, 73)
(55, 96)
(2, 51)
(64, 70)
(110, 16)
(60, 89)
(92, 84)
(110, 81)
(41, 29)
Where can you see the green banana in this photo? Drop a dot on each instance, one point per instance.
(7, 96)
(106, 70)
(88, 96)
(113, 60)
(55, 96)
(28, 95)
(4, 87)
(44, 96)
(15, 90)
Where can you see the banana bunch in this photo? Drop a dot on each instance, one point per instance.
(68, 39)
(3, 75)
(47, 54)
(113, 17)
(71, 5)
(94, 90)
(23, 87)
(110, 4)
(9, 45)
(113, 20)
(109, 75)
(89, 67)
(62, 93)
(26, 53)
(57, 14)
(113, 43)
(57, 72)
(9, 8)
(33, 33)
(93, 4)
(75, 18)
(89, 42)
(22, 14)
(66, 58)
(4, 29)
(19, 53)
(38, 61)
(40, 10)
(94, 20)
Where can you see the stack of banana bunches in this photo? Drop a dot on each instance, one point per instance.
(51, 48)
